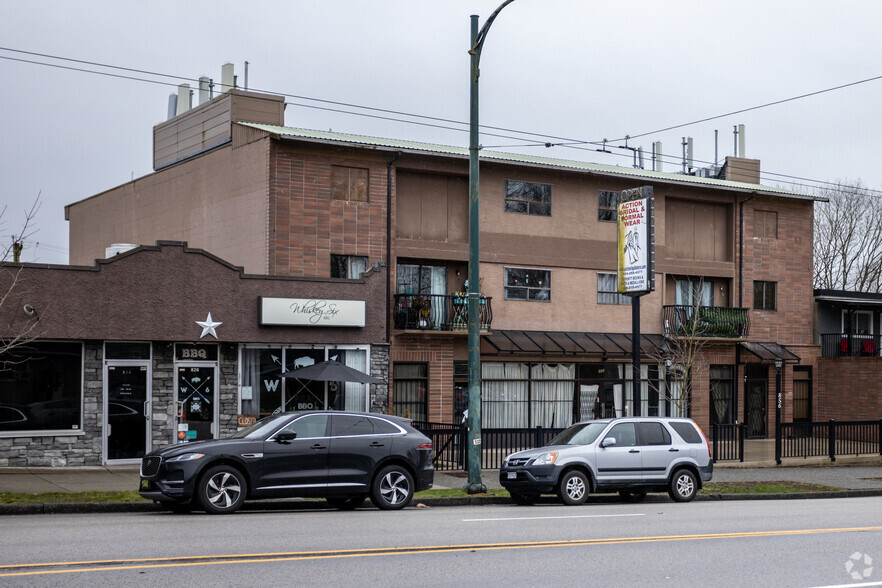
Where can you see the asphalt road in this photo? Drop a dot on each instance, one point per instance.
(742, 543)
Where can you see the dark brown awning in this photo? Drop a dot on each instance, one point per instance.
(566, 344)
(770, 351)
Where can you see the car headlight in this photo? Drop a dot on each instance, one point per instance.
(546, 458)
(186, 457)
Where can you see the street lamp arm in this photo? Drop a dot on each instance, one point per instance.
(482, 34)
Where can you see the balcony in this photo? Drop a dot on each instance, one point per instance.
(439, 312)
(712, 322)
(850, 345)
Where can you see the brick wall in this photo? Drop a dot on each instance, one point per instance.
(849, 388)
(437, 352)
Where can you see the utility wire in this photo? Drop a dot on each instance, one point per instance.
(562, 141)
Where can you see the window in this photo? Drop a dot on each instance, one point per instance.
(693, 293)
(765, 224)
(350, 425)
(608, 290)
(309, 427)
(348, 266)
(349, 183)
(722, 383)
(41, 388)
(528, 197)
(764, 295)
(687, 431)
(606, 205)
(653, 434)
(411, 390)
(527, 284)
(624, 435)
(515, 394)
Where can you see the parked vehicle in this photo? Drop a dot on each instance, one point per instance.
(626, 455)
(343, 457)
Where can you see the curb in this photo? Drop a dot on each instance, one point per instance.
(300, 504)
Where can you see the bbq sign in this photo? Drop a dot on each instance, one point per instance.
(636, 242)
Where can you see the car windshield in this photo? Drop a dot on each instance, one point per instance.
(258, 429)
(581, 434)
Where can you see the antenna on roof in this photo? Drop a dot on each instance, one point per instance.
(657, 156)
(739, 141)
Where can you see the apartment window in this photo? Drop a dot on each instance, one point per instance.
(410, 390)
(722, 385)
(764, 295)
(527, 284)
(528, 197)
(765, 224)
(349, 183)
(348, 266)
(606, 205)
(693, 292)
(608, 290)
(42, 388)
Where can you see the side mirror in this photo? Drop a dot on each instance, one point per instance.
(608, 442)
(286, 437)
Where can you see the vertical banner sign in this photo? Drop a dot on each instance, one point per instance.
(636, 241)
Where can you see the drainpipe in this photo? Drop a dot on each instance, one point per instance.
(389, 247)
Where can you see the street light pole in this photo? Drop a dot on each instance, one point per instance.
(475, 485)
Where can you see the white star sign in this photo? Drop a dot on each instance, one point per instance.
(209, 326)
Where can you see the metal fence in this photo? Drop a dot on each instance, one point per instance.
(727, 442)
(449, 444)
(831, 439)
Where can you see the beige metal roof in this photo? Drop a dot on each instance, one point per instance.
(521, 159)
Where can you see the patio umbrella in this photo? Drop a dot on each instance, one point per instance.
(331, 371)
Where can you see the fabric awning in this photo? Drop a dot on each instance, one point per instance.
(566, 344)
(770, 351)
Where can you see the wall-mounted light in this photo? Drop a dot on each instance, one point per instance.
(778, 364)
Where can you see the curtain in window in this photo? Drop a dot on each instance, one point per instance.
(675, 392)
(552, 394)
(355, 395)
(504, 395)
(251, 379)
(357, 266)
(629, 386)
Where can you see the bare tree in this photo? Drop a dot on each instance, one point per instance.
(21, 328)
(848, 239)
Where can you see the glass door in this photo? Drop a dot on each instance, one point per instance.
(196, 401)
(127, 410)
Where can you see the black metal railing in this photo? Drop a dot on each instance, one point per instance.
(439, 312)
(449, 444)
(707, 321)
(850, 345)
(727, 442)
(831, 439)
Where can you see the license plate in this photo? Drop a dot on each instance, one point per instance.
(512, 475)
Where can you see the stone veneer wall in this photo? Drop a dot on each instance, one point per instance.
(83, 449)
(379, 401)
(162, 422)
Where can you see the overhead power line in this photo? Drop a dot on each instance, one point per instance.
(545, 140)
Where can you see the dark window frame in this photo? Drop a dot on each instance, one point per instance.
(339, 262)
(518, 287)
(414, 408)
(765, 295)
(607, 206)
(532, 198)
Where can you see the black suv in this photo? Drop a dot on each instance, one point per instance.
(341, 456)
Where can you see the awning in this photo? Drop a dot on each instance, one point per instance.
(770, 351)
(567, 344)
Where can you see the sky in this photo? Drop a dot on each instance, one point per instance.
(552, 71)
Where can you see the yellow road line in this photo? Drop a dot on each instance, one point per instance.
(207, 560)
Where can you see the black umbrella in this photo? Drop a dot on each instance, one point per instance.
(331, 371)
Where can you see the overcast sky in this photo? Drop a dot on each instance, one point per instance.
(575, 69)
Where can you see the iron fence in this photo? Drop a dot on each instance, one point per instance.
(449, 444)
(831, 439)
(850, 345)
(727, 442)
(439, 312)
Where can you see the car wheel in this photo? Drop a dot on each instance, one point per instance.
(346, 502)
(222, 490)
(634, 495)
(573, 487)
(523, 499)
(392, 488)
(683, 487)
(178, 507)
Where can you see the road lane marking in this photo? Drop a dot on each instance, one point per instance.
(210, 560)
(600, 516)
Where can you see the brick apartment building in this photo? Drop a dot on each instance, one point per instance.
(230, 179)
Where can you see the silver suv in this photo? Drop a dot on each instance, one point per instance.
(625, 455)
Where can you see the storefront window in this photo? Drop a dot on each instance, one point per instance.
(41, 388)
(517, 395)
(264, 391)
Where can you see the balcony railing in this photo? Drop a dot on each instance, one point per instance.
(845, 345)
(439, 312)
(707, 321)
